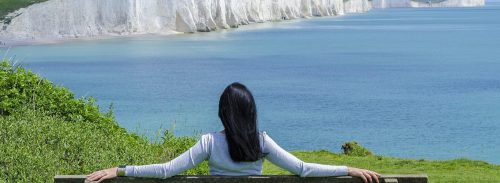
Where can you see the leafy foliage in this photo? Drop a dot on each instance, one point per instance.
(24, 89)
(45, 131)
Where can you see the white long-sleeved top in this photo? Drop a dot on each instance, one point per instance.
(213, 147)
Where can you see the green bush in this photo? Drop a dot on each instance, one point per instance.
(45, 131)
(24, 89)
(354, 149)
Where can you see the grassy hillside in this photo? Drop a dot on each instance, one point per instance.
(7, 6)
(45, 130)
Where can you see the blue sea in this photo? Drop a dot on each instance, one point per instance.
(411, 83)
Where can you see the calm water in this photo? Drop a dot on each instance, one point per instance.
(418, 83)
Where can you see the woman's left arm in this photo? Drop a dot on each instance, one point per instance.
(187, 160)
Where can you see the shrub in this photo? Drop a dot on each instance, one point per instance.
(354, 149)
(24, 89)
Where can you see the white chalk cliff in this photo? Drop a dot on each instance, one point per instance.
(66, 19)
(426, 3)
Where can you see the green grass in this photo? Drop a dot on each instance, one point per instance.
(35, 147)
(460, 170)
(8, 6)
(45, 130)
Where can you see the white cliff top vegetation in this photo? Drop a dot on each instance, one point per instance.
(8, 6)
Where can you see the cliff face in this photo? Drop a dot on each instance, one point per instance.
(426, 3)
(59, 19)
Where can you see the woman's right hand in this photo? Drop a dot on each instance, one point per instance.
(366, 175)
(102, 175)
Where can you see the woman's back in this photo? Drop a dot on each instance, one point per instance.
(219, 160)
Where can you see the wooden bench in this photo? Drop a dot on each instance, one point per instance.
(250, 179)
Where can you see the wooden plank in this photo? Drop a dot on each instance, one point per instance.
(412, 178)
(390, 180)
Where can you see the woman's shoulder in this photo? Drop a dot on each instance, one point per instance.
(220, 135)
(212, 136)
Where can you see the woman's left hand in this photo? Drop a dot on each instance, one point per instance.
(102, 175)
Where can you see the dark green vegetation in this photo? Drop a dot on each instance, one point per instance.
(354, 149)
(8, 6)
(45, 131)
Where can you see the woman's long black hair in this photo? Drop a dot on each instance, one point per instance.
(238, 114)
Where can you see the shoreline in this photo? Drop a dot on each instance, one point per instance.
(92, 20)
(8, 37)
(5, 43)
(247, 27)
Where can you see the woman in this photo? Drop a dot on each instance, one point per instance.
(236, 151)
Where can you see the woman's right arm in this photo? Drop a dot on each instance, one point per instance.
(187, 160)
(280, 157)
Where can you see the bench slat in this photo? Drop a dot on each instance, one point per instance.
(412, 178)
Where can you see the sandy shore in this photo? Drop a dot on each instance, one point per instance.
(6, 42)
